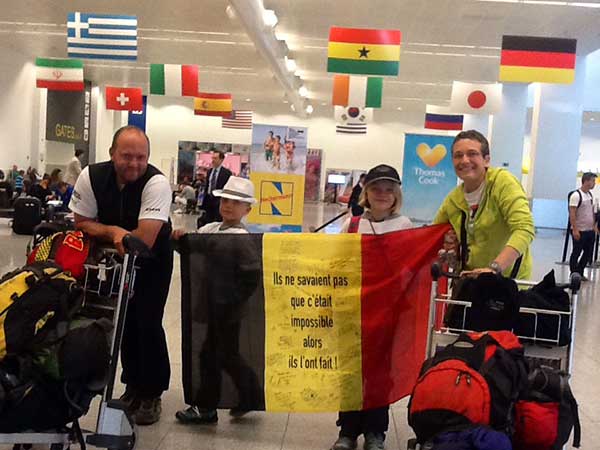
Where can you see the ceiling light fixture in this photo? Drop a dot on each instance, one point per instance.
(230, 12)
(290, 64)
(269, 18)
(293, 107)
(309, 109)
(303, 91)
(248, 100)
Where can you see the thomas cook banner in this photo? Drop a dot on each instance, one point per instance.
(304, 322)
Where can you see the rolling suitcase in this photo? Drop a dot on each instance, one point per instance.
(28, 214)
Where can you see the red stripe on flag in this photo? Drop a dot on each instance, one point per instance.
(537, 59)
(214, 96)
(365, 36)
(189, 80)
(60, 85)
(443, 125)
(396, 286)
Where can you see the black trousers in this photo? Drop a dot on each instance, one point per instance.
(211, 208)
(584, 245)
(220, 352)
(355, 423)
(144, 352)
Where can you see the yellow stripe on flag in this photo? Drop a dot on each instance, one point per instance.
(519, 74)
(312, 285)
(344, 50)
(211, 104)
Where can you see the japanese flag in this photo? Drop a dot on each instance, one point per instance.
(469, 98)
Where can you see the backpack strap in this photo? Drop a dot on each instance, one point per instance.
(354, 224)
(464, 248)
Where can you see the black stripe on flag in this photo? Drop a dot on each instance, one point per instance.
(539, 44)
(352, 128)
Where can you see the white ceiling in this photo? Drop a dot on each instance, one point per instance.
(442, 41)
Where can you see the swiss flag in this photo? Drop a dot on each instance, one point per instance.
(469, 98)
(124, 99)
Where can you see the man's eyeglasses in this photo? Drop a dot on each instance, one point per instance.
(471, 155)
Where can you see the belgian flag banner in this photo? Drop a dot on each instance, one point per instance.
(305, 322)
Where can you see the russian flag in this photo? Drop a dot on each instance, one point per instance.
(439, 118)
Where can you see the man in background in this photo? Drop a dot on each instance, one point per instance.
(216, 178)
(73, 168)
(583, 224)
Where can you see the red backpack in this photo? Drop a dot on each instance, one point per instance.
(69, 249)
(474, 381)
(546, 413)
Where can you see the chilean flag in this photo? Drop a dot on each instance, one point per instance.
(439, 118)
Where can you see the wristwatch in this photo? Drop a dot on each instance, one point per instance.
(495, 267)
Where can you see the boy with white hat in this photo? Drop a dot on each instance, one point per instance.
(226, 294)
(237, 196)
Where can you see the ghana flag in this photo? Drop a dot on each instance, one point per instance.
(363, 51)
(528, 59)
(304, 322)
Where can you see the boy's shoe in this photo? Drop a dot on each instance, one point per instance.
(148, 412)
(238, 412)
(193, 414)
(374, 441)
(344, 443)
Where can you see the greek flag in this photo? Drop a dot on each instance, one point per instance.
(101, 36)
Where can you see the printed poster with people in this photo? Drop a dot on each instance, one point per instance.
(427, 174)
(277, 169)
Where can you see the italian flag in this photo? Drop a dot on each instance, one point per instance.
(59, 74)
(361, 92)
(322, 322)
(174, 80)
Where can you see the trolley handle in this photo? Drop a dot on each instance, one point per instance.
(136, 247)
(437, 272)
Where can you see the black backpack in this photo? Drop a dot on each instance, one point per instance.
(494, 304)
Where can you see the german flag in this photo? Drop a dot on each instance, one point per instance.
(213, 104)
(527, 59)
(363, 51)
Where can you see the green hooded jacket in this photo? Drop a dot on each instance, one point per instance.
(503, 218)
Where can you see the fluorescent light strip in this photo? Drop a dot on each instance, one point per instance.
(165, 30)
(547, 3)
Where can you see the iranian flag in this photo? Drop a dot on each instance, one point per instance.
(174, 80)
(59, 74)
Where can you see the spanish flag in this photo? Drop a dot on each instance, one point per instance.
(305, 322)
(207, 104)
(527, 59)
(363, 51)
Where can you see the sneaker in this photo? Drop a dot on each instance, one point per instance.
(238, 412)
(374, 441)
(193, 414)
(344, 443)
(148, 412)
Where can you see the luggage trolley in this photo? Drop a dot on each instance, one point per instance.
(112, 280)
(545, 350)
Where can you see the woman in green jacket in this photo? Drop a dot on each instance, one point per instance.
(492, 205)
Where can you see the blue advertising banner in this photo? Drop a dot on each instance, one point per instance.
(427, 174)
(138, 118)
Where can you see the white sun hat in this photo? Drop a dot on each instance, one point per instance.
(237, 188)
